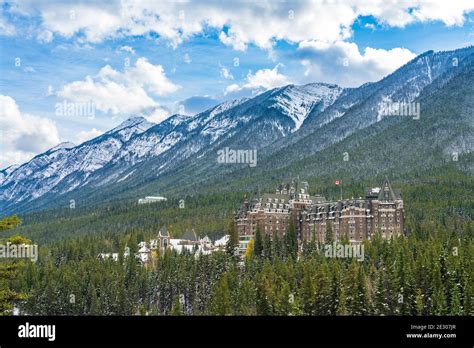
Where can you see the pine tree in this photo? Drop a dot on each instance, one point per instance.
(329, 237)
(341, 303)
(278, 252)
(456, 308)
(380, 299)
(291, 242)
(233, 242)
(358, 299)
(406, 292)
(264, 294)
(468, 295)
(308, 292)
(177, 309)
(94, 306)
(323, 290)
(10, 270)
(362, 302)
(439, 297)
(222, 304)
(246, 298)
(336, 289)
(419, 300)
(258, 246)
(267, 247)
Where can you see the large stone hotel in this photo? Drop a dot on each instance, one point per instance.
(357, 219)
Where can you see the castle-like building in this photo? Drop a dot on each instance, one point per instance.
(357, 219)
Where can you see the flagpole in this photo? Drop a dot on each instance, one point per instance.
(339, 183)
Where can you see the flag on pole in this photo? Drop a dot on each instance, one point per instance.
(338, 182)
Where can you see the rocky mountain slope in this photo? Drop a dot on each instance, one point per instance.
(288, 126)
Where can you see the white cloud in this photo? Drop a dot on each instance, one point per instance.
(94, 23)
(266, 78)
(260, 22)
(151, 76)
(263, 79)
(232, 88)
(83, 136)
(369, 26)
(128, 49)
(187, 58)
(158, 114)
(402, 13)
(121, 92)
(6, 28)
(23, 135)
(449, 12)
(344, 64)
(45, 36)
(226, 74)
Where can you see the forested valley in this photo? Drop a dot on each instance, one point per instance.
(428, 271)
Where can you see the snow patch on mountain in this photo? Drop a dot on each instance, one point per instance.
(216, 128)
(63, 145)
(130, 127)
(298, 101)
(226, 106)
(206, 116)
(126, 176)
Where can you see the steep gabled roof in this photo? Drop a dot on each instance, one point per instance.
(387, 193)
(163, 232)
(190, 235)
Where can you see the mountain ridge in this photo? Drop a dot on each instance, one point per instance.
(279, 123)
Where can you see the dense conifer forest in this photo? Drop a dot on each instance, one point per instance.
(428, 271)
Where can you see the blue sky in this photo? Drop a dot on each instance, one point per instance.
(156, 59)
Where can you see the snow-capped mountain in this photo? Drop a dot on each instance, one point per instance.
(130, 127)
(288, 123)
(294, 102)
(4, 173)
(67, 163)
(358, 108)
(112, 156)
(243, 122)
